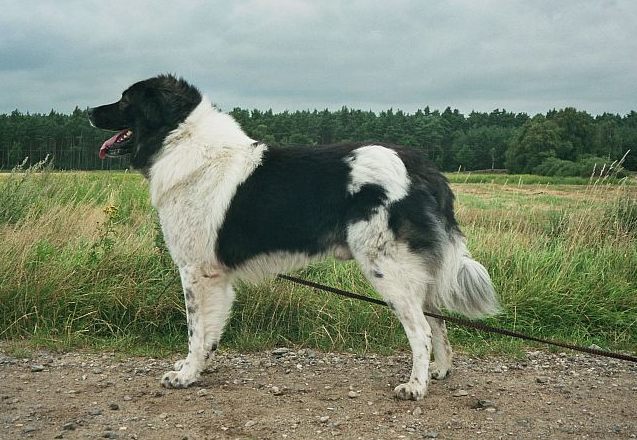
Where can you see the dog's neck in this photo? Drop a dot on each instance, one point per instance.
(208, 127)
(207, 138)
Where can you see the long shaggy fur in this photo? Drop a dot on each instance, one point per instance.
(234, 208)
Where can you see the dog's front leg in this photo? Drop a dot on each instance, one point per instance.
(203, 291)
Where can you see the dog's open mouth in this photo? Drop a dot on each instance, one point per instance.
(118, 145)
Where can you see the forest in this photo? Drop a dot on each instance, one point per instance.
(565, 142)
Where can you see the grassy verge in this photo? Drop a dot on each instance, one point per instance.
(82, 264)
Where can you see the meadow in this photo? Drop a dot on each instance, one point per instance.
(83, 264)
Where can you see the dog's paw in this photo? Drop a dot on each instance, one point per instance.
(438, 372)
(177, 379)
(412, 390)
(179, 364)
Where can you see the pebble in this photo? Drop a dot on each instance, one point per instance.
(110, 434)
(460, 393)
(29, 428)
(250, 423)
(324, 419)
(431, 434)
(542, 379)
(276, 391)
(483, 404)
(280, 351)
(70, 426)
(202, 392)
(417, 412)
(310, 353)
(37, 368)
(353, 394)
(95, 412)
(114, 406)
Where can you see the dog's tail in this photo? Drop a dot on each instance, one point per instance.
(464, 285)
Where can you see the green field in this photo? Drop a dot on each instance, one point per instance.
(82, 263)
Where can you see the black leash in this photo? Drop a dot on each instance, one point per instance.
(464, 322)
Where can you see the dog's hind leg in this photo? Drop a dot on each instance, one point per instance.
(401, 291)
(208, 300)
(401, 278)
(419, 335)
(441, 347)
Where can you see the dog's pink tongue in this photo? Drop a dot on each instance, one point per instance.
(108, 144)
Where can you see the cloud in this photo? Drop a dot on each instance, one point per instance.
(288, 54)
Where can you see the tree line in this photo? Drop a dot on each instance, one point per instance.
(560, 142)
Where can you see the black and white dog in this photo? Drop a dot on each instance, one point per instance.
(234, 208)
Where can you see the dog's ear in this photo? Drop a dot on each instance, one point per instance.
(150, 105)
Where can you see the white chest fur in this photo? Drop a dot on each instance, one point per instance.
(194, 178)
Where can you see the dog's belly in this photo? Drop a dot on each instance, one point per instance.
(272, 263)
(266, 265)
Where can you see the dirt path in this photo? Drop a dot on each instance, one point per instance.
(310, 395)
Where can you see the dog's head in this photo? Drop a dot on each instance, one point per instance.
(143, 117)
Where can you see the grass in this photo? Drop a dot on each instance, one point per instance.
(82, 264)
(523, 179)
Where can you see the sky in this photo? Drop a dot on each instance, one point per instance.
(474, 55)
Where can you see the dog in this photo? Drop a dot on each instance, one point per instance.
(232, 207)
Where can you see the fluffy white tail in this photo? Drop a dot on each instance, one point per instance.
(464, 285)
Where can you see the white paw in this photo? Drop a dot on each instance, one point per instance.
(412, 390)
(177, 379)
(179, 364)
(438, 372)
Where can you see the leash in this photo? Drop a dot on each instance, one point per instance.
(464, 322)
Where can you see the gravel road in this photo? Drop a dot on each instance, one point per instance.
(304, 394)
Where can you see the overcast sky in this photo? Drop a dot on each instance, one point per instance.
(524, 56)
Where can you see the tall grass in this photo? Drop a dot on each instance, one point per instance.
(82, 263)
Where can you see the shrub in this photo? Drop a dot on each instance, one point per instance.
(587, 166)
